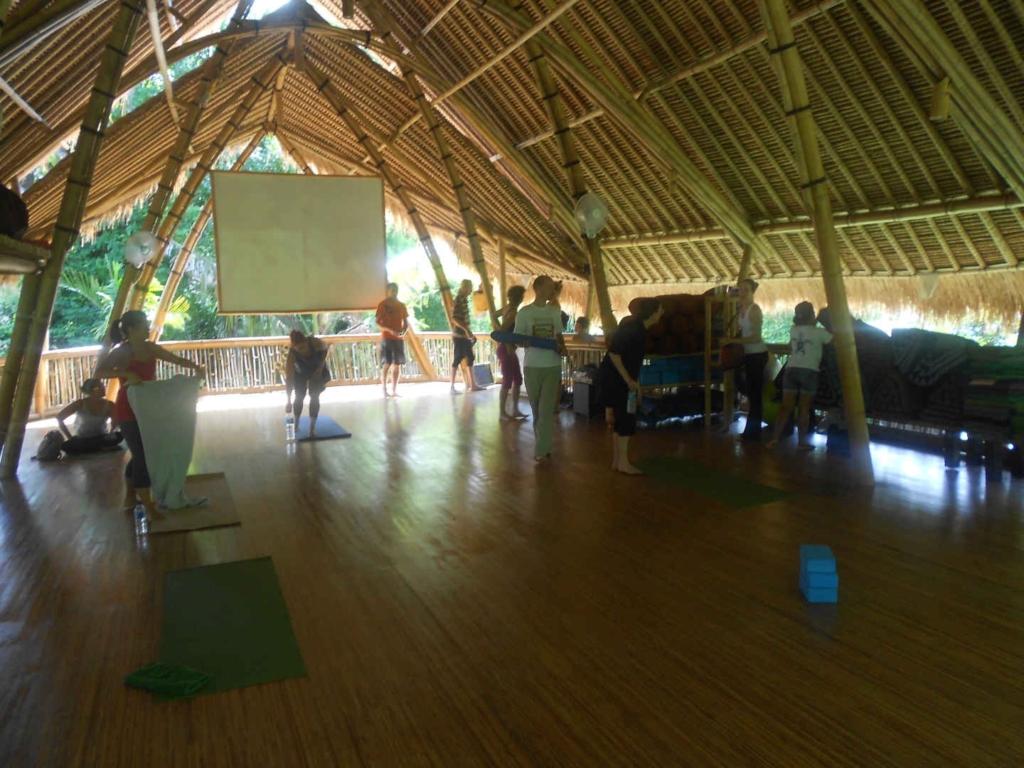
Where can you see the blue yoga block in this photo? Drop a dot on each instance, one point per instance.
(819, 580)
(821, 595)
(816, 558)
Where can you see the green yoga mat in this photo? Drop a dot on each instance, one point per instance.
(729, 489)
(231, 622)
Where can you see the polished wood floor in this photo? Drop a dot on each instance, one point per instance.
(458, 605)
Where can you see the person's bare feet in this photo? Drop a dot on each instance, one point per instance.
(386, 392)
(455, 391)
(395, 394)
(542, 459)
(628, 469)
(505, 417)
(476, 389)
(805, 447)
(520, 416)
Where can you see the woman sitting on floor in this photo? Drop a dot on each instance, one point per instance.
(306, 369)
(93, 415)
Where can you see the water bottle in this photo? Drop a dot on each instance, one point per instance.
(631, 403)
(141, 523)
(289, 428)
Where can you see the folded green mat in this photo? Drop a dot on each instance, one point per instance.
(168, 679)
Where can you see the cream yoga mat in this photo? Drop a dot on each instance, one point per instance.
(220, 511)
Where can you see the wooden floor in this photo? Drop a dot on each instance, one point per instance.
(458, 605)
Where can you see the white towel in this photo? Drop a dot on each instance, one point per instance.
(166, 412)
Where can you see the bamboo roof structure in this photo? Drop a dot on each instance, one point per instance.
(676, 112)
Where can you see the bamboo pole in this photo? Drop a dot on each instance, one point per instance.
(422, 358)
(977, 113)
(165, 234)
(189, 246)
(458, 187)
(502, 272)
(988, 204)
(344, 109)
(781, 42)
(620, 105)
(212, 68)
(16, 349)
(41, 394)
(552, 99)
(438, 16)
(83, 162)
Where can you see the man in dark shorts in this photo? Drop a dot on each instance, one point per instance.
(463, 338)
(393, 321)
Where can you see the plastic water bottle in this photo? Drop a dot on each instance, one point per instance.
(141, 523)
(631, 403)
(289, 428)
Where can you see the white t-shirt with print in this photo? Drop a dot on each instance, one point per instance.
(544, 323)
(806, 343)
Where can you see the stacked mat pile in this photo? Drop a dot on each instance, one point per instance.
(994, 397)
(927, 358)
(681, 329)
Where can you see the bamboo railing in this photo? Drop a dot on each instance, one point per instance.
(249, 365)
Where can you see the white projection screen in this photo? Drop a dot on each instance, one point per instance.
(297, 244)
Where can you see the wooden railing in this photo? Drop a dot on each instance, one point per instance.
(244, 365)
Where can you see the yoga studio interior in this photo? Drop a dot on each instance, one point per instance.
(697, 439)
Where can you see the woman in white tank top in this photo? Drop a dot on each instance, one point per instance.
(755, 356)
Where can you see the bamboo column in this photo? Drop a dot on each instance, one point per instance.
(458, 186)
(420, 354)
(552, 98)
(169, 225)
(782, 44)
(345, 111)
(188, 248)
(502, 272)
(16, 349)
(69, 219)
(211, 71)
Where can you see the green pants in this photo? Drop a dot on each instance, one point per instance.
(543, 386)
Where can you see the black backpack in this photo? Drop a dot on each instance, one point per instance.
(50, 447)
(13, 214)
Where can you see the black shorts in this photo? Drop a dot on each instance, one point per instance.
(618, 399)
(463, 351)
(392, 352)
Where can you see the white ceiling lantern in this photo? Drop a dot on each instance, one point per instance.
(591, 214)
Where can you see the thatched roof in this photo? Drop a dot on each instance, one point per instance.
(677, 115)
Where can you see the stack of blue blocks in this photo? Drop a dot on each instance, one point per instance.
(818, 578)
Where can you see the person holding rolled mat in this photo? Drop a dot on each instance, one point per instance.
(133, 362)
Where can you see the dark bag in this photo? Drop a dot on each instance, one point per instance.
(731, 357)
(50, 447)
(13, 214)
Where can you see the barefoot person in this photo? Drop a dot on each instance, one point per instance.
(306, 369)
(755, 357)
(133, 361)
(393, 321)
(93, 415)
(806, 342)
(511, 373)
(543, 366)
(463, 337)
(620, 374)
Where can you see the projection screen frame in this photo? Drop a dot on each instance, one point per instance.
(216, 241)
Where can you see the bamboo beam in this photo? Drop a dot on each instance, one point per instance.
(552, 99)
(982, 120)
(346, 112)
(83, 161)
(211, 70)
(447, 159)
(619, 104)
(181, 261)
(502, 272)
(438, 17)
(782, 43)
(263, 81)
(901, 215)
(420, 354)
